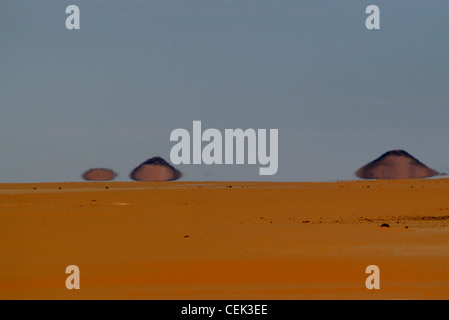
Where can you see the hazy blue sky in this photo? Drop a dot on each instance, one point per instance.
(109, 94)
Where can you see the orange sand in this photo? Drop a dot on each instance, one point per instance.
(227, 240)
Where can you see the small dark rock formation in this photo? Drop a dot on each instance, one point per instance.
(99, 174)
(155, 169)
(396, 164)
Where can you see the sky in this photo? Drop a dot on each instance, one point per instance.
(109, 94)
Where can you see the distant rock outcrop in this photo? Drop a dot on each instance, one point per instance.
(155, 169)
(99, 174)
(395, 164)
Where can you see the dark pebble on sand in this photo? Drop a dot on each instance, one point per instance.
(385, 225)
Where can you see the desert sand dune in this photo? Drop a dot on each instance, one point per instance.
(225, 240)
(395, 164)
(99, 174)
(155, 169)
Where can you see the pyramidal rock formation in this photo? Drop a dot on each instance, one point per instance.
(155, 169)
(395, 164)
(99, 174)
